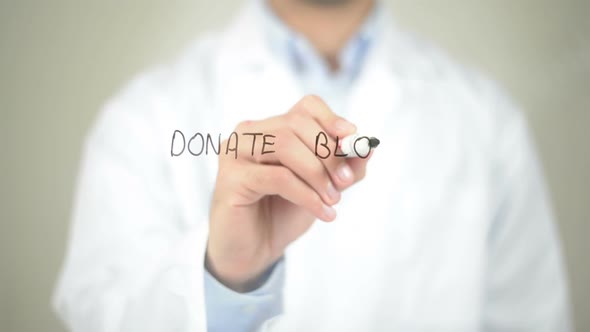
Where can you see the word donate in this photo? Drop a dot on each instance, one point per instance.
(200, 144)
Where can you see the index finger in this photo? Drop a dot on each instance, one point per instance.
(332, 123)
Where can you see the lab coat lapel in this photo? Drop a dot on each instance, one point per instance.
(252, 84)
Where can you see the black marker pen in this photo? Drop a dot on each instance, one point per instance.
(356, 145)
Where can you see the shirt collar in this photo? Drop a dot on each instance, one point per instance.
(304, 60)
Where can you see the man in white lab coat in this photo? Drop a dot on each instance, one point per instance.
(445, 227)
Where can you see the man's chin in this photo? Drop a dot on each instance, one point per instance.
(327, 2)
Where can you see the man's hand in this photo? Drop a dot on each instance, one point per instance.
(263, 202)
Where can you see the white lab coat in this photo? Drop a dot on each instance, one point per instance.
(451, 229)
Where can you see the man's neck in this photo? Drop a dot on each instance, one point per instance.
(328, 25)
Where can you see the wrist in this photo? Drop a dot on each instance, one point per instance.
(239, 276)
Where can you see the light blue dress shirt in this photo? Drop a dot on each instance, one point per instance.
(231, 311)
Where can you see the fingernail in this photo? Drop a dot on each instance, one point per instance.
(343, 126)
(332, 192)
(344, 173)
(329, 212)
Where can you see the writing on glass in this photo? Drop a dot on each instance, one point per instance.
(201, 144)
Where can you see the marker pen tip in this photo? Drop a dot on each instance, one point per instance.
(373, 142)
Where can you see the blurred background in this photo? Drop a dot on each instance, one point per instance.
(61, 59)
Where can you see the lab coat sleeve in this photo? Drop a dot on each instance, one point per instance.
(231, 311)
(526, 288)
(133, 263)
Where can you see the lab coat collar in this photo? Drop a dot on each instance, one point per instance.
(245, 52)
(245, 45)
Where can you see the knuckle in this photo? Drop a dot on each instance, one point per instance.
(316, 173)
(294, 119)
(311, 98)
(243, 125)
(273, 176)
(262, 177)
(310, 103)
(258, 158)
(281, 140)
(316, 202)
(280, 175)
(229, 177)
(332, 164)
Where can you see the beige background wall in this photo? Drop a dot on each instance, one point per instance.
(60, 59)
